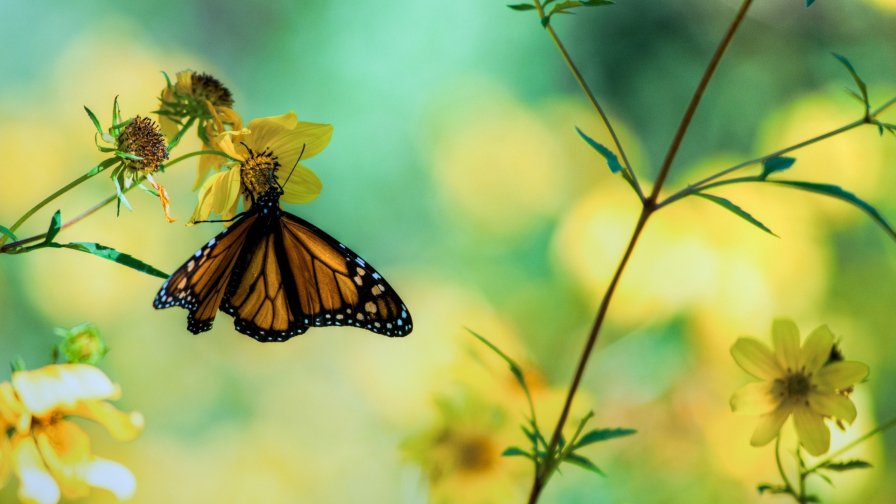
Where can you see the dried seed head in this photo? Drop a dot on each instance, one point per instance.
(206, 87)
(142, 137)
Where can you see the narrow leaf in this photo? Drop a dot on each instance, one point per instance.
(598, 435)
(740, 212)
(841, 194)
(612, 160)
(522, 7)
(596, 3)
(772, 489)
(55, 226)
(514, 367)
(514, 451)
(584, 463)
(5, 230)
(855, 76)
(94, 120)
(112, 255)
(776, 164)
(545, 21)
(847, 465)
(809, 2)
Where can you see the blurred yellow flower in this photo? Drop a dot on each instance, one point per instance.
(803, 381)
(268, 149)
(50, 454)
(202, 98)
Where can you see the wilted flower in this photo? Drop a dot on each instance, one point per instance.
(200, 98)
(267, 152)
(802, 381)
(49, 453)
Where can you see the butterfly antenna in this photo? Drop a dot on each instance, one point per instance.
(294, 166)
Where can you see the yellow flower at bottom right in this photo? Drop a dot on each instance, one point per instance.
(806, 381)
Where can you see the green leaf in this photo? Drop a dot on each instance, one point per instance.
(599, 435)
(809, 2)
(612, 160)
(772, 489)
(5, 230)
(596, 3)
(514, 367)
(776, 164)
(522, 7)
(838, 193)
(545, 21)
(94, 120)
(55, 226)
(847, 465)
(740, 212)
(855, 76)
(112, 255)
(584, 463)
(514, 451)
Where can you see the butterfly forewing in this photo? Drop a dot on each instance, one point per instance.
(198, 285)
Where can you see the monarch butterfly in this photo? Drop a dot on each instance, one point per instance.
(278, 275)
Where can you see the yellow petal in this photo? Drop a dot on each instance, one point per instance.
(184, 82)
(266, 130)
(754, 399)
(832, 404)
(229, 116)
(841, 375)
(813, 433)
(218, 194)
(11, 408)
(786, 340)
(303, 185)
(770, 425)
(65, 449)
(817, 348)
(36, 485)
(314, 136)
(229, 140)
(756, 359)
(122, 426)
(60, 385)
(112, 476)
(5, 460)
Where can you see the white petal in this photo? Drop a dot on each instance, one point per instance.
(112, 476)
(57, 385)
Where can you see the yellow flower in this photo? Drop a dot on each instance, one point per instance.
(51, 454)
(202, 98)
(803, 381)
(267, 151)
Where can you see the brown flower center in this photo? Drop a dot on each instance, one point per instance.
(474, 453)
(259, 172)
(206, 87)
(795, 386)
(143, 138)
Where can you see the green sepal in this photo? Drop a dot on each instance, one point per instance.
(855, 77)
(584, 463)
(599, 435)
(94, 120)
(167, 79)
(736, 210)
(101, 167)
(608, 155)
(776, 164)
(841, 194)
(128, 155)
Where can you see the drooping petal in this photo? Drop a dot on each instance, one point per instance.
(756, 359)
(813, 433)
(832, 404)
(60, 385)
(112, 476)
(303, 185)
(770, 425)
(841, 375)
(755, 399)
(65, 449)
(11, 408)
(122, 426)
(229, 140)
(786, 340)
(36, 485)
(219, 193)
(817, 349)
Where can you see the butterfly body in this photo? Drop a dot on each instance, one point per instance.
(278, 275)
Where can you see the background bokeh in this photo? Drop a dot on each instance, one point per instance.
(456, 170)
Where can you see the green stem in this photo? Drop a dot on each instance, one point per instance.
(852, 444)
(587, 90)
(781, 466)
(200, 153)
(86, 213)
(180, 133)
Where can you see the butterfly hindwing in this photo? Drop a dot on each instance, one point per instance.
(198, 285)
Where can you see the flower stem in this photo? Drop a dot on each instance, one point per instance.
(199, 153)
(648, 207)
(75, 220)
(780, 465)
(587, 90)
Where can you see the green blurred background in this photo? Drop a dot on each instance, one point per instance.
(456, 170)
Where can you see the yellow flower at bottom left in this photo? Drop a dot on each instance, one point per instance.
(48, 452)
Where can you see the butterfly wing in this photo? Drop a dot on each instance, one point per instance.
(299, 276)
(199, 284)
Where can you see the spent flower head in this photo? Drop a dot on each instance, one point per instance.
(203, 99)
(138, 151)
(802, 381)
(268, 153)
(81, 344)
(49, 453)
